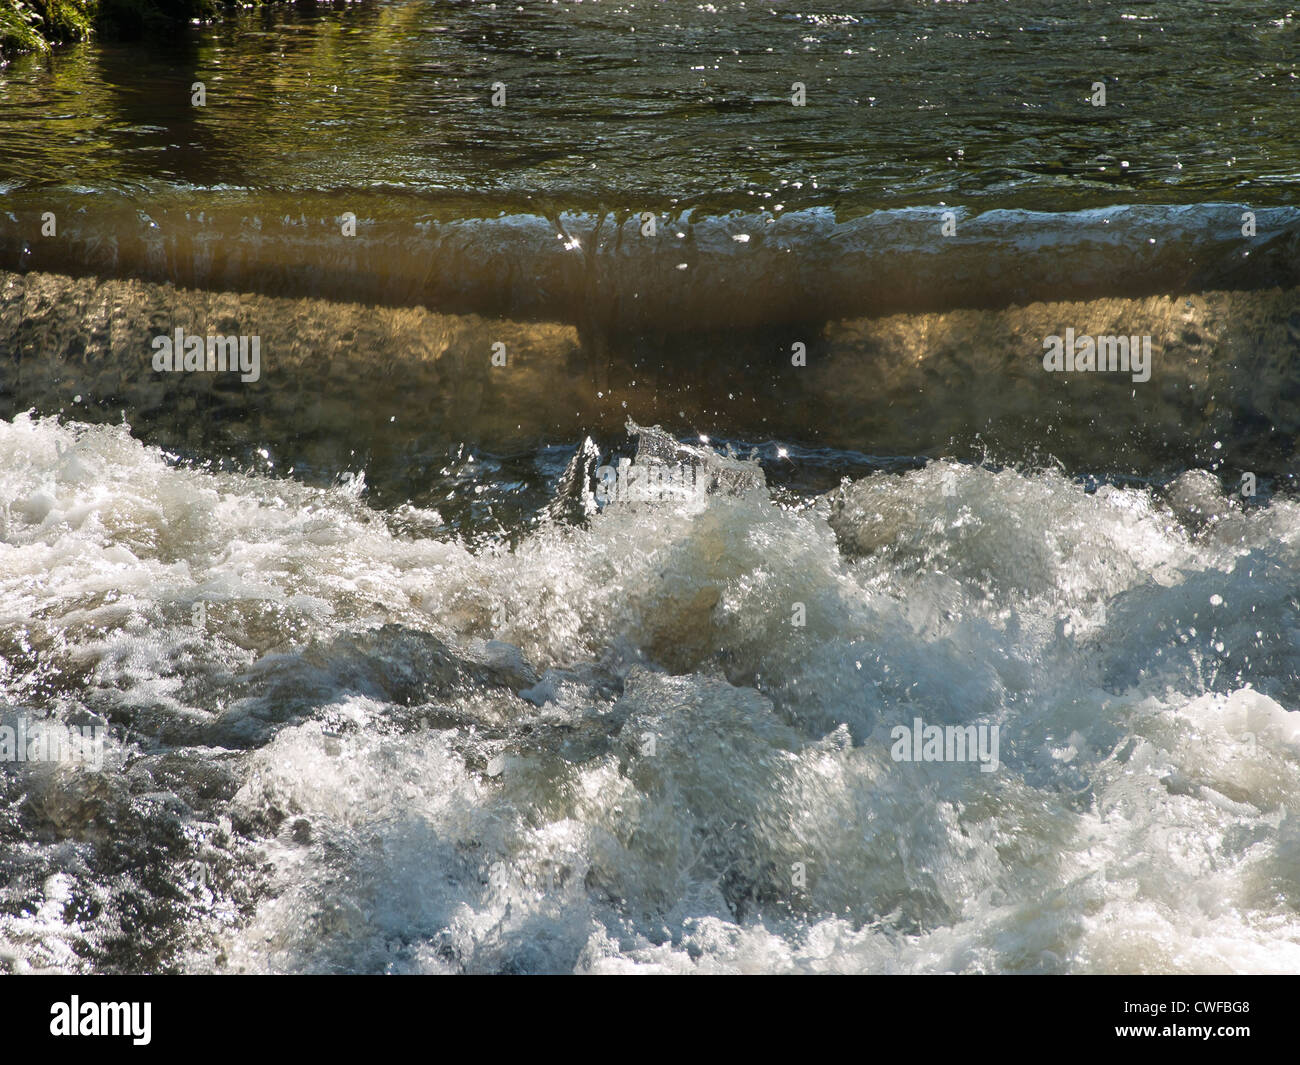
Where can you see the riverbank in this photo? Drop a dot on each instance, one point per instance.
(40, 25)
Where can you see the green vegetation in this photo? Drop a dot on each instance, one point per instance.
(37, 25)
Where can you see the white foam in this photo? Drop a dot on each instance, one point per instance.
(1144, 817)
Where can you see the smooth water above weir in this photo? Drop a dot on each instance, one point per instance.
(668, 106)
(765, 212)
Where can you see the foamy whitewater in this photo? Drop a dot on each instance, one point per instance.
(341, 740)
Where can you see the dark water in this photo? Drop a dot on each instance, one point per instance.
(676, 105)
(385, 690)
(684, 111)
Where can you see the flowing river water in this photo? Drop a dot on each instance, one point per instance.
(383, 687)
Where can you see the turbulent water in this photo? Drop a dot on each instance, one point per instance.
(606, 748)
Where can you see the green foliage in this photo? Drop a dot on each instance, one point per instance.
(18, 28)
(36, 25)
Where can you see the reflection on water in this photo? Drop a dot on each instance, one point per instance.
(679, 104)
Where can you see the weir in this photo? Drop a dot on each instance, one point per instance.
(1226, 369)
(598, 270)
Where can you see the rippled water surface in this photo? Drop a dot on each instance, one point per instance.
(683, 104)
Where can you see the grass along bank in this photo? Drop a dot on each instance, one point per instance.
(39, 25)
